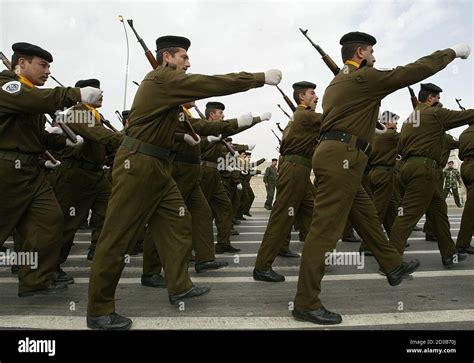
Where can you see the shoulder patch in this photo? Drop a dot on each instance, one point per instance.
(12, 87)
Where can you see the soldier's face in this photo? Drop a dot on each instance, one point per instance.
(216, 115)
(310, 99)
(180, 59)
(37, 72)
(274, 163)
(368, 55)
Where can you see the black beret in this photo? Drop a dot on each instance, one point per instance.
(172, 41)
(125, 114)
(303, 85)
(88, 83)
(248, 153)
(215, 105)
(430, 87)
(274, 159)
(31, 49)
(358, 37)
(388, 116)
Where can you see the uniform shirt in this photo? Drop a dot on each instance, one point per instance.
(301, 136)
(451, 178)
(202, 128)
(449, 144)
(21, 114)
(384, 149)
(156, 108)
(466, 143)
(423, 133)
(99, 141)
(215, 150)
(351, 102)
(271, 174)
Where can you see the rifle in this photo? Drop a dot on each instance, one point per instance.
(287, 100)
(325, 57)
(119, 116)
(279, 140)
(414, 100)
(227, 145)
(279, 127)
(154, 65)
(458, 101)
(283, 110)
(7, 64)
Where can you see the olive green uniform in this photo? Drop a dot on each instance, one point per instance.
(27, 202)
(449, 143)
(294, 196)
(421, 146)
(351, 106)
(187, 175)
(466, 154)
(213, 156)
(248, 196)
(81, 183)
(381, 177)
(143, 190)
(270, 179)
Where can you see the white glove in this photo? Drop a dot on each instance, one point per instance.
(273, 77)
(50, 165)
(251, 147)
(379, 132)
(462, 50)
(266, 116)
(245, 120)
(239, 186)
(80, 141)
(212, 138)
(90, 95)
(54, 130)
(188, 139)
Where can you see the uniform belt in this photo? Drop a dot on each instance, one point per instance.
(384, 167)
(345, 137)
(423, 160)
(27, 159)
(297, 159)
(147, 149)
(82, 164)
(188, 158)
(210, 164)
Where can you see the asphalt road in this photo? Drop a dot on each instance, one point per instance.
(436, 298)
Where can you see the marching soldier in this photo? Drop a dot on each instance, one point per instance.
(452, 178)
(248, 195)
(82, 184)
(187, 175)
(294, 194)
(270, 179)
(466, 154)
(351, 106)
(382, 163)
(28, 203)
(449, 143)
(213, 161)
(146, 153)
(421, 141)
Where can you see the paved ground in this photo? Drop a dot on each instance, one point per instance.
(435, 299)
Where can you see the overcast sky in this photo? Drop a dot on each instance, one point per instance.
(87, 41)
